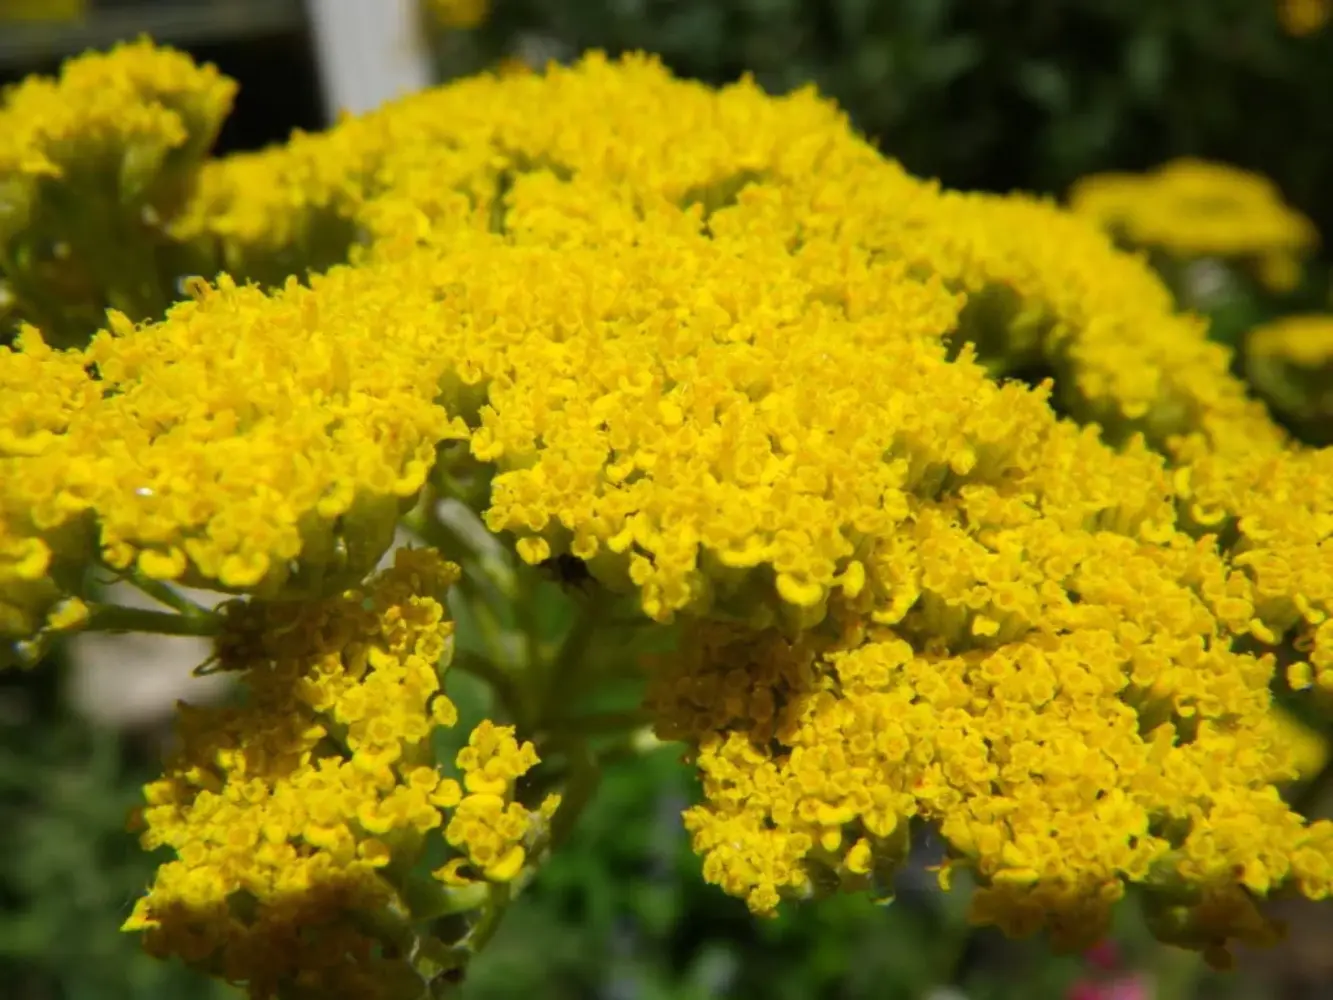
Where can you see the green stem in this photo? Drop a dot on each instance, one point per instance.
(166, 594)
(1178, 974)
(118, 618)
(527, 625)
(428, 899)
(489, 923)
(584, 776)
(566, 666)
(563, 676)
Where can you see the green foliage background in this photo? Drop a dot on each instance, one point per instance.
(994, 94)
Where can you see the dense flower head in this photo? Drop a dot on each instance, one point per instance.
(1276, 513)
(746, 272)
(1049, 289)
(713, 346)
(1195, 208)
(292, 816)
(90, 164)
(602, 151)
(123, 125)
(1059, 770)
(135, 103)
(244, 442)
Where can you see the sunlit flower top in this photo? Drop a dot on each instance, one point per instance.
(1194, 208)
(599, 152)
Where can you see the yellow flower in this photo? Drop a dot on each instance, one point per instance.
(287, 815)
(91, 164)
(1304, 341)
(1194, 208)
(276, 462)
(713, 346)
(119, 111)
(1060, 769)
(487, 154)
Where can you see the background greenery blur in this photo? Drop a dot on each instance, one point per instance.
(994, 94)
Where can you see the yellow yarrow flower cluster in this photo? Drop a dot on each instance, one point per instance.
(1290, 361)
(1304, 341)
(1193, 208)
(137, 100)
(294, 817)
(488, 153)
(1062, 699)
(246, 442)
(1059, 770)
(713, 346)
(1277, 511)
(91, 164)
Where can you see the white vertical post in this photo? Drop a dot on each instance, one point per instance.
(368, 51)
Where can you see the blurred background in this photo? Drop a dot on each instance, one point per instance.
(991, 94)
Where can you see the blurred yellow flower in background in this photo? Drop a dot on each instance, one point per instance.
(1290, 361)
(1303, 17)
(42, 10)
(1192, 208)
(1307, 748)
(458, 15)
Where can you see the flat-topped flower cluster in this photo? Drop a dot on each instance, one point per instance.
(751, 373)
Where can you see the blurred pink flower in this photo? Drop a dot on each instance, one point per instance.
(1105, 956)
(1134, 986)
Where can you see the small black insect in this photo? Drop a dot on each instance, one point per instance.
(569, 571)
